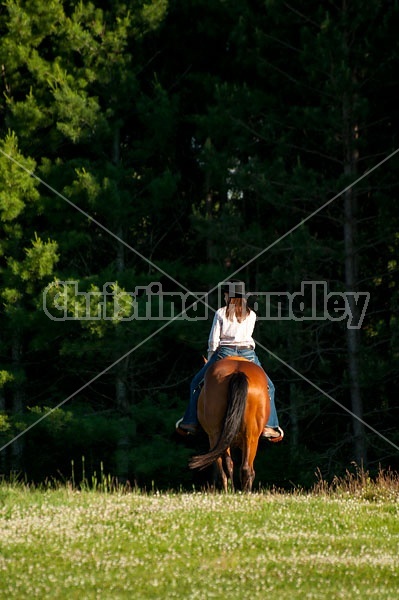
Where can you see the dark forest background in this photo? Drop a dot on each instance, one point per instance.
(174, 141)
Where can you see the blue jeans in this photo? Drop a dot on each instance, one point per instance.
(190, 416)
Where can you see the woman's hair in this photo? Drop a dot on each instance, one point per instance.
(237, 307)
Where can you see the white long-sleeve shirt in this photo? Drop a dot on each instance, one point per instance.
(231, 333)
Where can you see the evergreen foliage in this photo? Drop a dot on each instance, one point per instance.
(175, 144)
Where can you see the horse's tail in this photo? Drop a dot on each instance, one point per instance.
(236, 401)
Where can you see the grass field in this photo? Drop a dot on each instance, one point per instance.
(66, 543)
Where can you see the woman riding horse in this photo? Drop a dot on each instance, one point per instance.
(230, 335)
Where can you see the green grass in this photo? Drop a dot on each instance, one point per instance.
(338, 541)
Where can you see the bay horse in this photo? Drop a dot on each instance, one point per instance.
(233, 408)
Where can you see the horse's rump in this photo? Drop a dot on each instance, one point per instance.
(233, 408)
(228, 424)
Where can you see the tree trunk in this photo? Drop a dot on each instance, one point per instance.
(2, 410)
(208, 204)
(121, 392)
(353, 335)
(18, 402)
(351, 157)
(292, 343)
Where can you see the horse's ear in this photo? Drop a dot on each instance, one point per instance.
(205, 359)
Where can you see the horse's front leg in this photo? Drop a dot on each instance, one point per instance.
(249, 449)
(247, 477)
(221, 473)
(229, 467)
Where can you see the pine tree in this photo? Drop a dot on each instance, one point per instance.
(26, 262)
